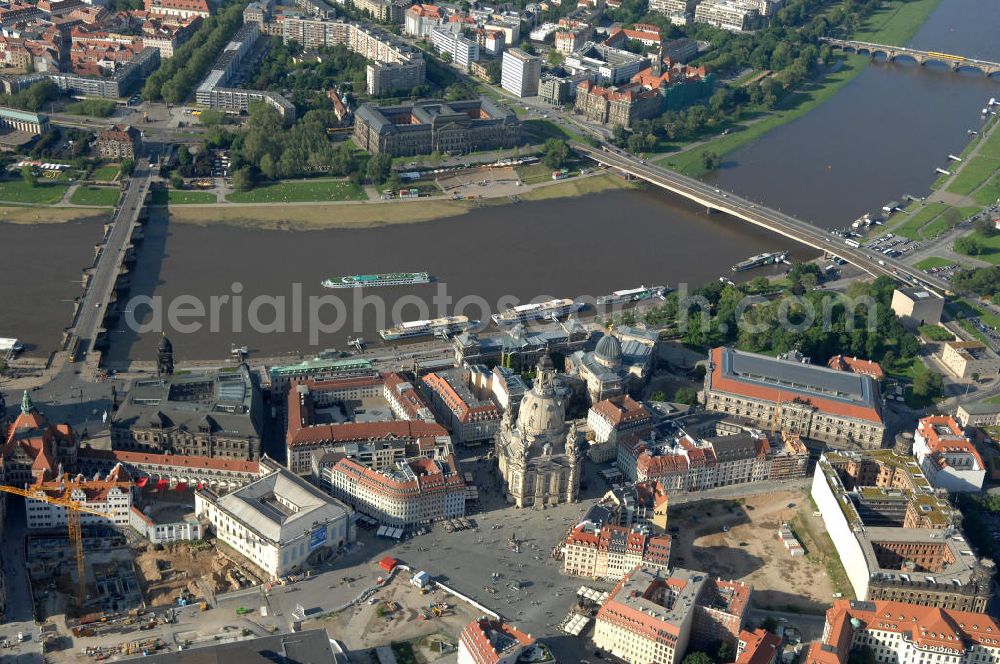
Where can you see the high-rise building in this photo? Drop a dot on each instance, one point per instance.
(520, 73)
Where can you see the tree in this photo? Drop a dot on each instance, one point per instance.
(697, 657)
(243, 179)
(710, 161)
(985, 226)
(686, 395)
(177, 181)
(969, 245)
(28, 173)
(378, 168)
(928, 385)
(725, 652)
(183, 156)
(659, 395)
(770, 624)
(127, 166)
(862, 655)
(555, 153)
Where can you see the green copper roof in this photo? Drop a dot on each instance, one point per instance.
(26, 405)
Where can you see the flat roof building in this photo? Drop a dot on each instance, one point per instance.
(280, 522)
(970, 359)
(917, 306)
(520, 72)
(896, 538)
(306, 647)
(811, 401)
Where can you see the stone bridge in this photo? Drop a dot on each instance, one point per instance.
(891, 53)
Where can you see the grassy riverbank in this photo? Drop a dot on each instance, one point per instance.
(896, 23)
(369, 215)
(794, 106)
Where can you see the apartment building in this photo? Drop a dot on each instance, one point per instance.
(652, 616)
(609, 552)
(520, 72)
(948, 458)
(727, 15)
(906, 633)
(464, 403)
(671, 7)
(980, 414)
(179, 8)
(813, 402)
(615, 421)
(462, 50)
(416, 491)
(110, 495)
(118, 142)
(382, 415)
(896, 538)
(486, 641)
(421, 19)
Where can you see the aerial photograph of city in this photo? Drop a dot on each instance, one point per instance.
(500, 331)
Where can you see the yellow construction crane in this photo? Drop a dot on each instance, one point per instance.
(73, 511)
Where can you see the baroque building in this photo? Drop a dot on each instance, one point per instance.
(540, 455)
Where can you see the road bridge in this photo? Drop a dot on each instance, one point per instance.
(795, 229)
(101, 285)
(891, 53)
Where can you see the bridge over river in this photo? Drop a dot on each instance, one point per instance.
(890, 53)
(795, 229)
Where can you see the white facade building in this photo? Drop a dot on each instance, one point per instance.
(111, 495)
(520, 73)
(949, 459)
(281, 523)
(463, 51)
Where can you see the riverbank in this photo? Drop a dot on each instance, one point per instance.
(691, 162)
(369, 215)
(896, 23)
(48, 215)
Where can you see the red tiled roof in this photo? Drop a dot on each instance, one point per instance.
(762, 647)
(855, 365)
(139, 459)
(476, 638)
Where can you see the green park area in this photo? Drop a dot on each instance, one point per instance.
(86, 195)
(105, 173)
(176, 197)
(300, 191)
(42, 192)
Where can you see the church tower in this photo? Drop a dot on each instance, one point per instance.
(165, 357)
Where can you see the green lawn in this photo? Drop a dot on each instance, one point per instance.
(896, 22)
(85, 195)
(45, 192)
(300, 191)
(175, 197)
(973, 173)
(932, 262)
(918, 219)
(793, 106)
(105, 173)
(989, 193)
(534, 173)
(539, 131)
(991, 253)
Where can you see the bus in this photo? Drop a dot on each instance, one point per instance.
(852, 243)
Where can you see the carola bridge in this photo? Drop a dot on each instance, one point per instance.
(890, 53)
(795, 229)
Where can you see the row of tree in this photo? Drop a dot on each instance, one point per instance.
(178, 76)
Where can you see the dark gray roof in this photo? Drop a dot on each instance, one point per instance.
(733, 448)
(309, 647)
(805, 379)
(227, 402)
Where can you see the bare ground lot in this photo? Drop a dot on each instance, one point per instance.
(361, 627)
(750, 551)
(183, 567)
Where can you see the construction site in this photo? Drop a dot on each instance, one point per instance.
(123, 577)
(739, 540)
(426, 621)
